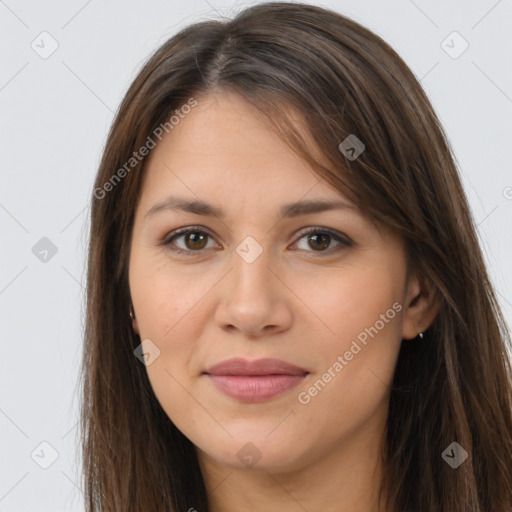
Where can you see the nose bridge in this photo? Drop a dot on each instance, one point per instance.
(251, 261)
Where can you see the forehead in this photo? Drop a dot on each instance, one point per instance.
(227, 149)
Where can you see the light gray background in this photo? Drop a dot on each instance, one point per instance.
(55, 113)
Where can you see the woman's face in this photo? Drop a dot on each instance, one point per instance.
(320, 289)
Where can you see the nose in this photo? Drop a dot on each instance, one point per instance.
(255, 301)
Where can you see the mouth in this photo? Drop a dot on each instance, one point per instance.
(255, 381)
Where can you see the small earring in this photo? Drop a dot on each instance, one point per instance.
(131, 312)
(420, 334)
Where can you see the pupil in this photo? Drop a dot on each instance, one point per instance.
(196, 237)
(324, 236)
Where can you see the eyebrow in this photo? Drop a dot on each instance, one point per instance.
(200, 207)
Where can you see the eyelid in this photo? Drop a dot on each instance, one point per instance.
(341, 238)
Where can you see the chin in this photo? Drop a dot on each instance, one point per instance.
(259, 453)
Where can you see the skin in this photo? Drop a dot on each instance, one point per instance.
(298, 301)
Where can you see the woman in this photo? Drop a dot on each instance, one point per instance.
(288, 308)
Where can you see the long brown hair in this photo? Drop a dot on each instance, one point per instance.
(454, 386)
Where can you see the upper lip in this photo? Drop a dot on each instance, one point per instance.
(267, 366)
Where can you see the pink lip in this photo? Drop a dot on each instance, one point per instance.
(255, 381)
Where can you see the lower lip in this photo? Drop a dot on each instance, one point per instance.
(255, 388)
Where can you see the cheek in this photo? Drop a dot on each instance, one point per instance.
(347, 303)
(170, 312)
(172, 309)
(360, 320)
(166, 297)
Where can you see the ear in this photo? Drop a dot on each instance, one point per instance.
(421, 306)
(135, 324)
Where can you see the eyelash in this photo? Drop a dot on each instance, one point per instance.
(343, 240)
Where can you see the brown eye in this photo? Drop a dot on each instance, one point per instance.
(319, 241)
(193, 241)
(196, 239)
